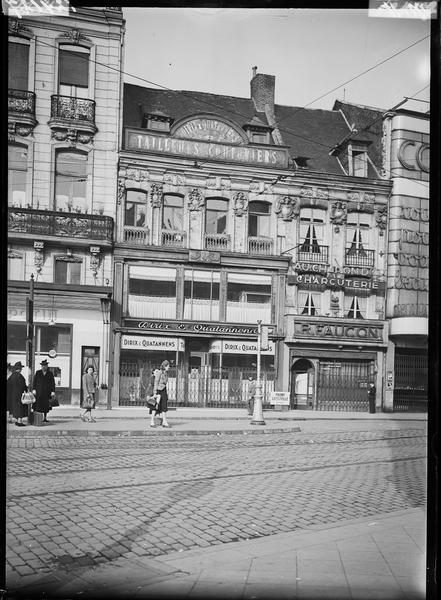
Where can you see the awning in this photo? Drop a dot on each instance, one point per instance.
(238, 347)
(143, 342)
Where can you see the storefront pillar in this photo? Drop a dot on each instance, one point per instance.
(388, 398)
(115, 361)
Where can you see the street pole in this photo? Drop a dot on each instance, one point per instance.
(257, 418)
(30, 338)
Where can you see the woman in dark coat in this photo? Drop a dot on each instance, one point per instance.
(16, 385)
(43, 388)
(89, 390)
(160, 389)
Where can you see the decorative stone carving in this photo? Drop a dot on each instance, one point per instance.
(339, 213)
(68, 257)
(195, 200)
(411, 260)
(212, 182)
(307, 192)
(13, 253)
(180, 179)
(254, 186)
(240, 205)
(156, 195)
(205, 256)
(313, 196)
(381, 218)
(95, 260)
(11, 131)
(335, 305)
(24, 130)
(38, 255)
(73, 136)
(137, 174)
(15, 27)
(75, 36)
(121, 190)
(170, 178)
(225, 184)
(287, 208)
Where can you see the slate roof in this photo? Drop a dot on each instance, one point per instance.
(309, 133)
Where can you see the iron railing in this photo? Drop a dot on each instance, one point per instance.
(175, 239)
(359, 257)
(216, 241)
(72, 109)
(136, 235)
(48, 222)
(411, 381)
(313, 253)
(21, 102)
(260, 245)
(343, 385)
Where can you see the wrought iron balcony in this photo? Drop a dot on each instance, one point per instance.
(60, 224)
(21, 102)
(312, 253)
(68, 108)
(217, 241)
(260, 245)
(175, 239)
(136, 235)
(359, 257)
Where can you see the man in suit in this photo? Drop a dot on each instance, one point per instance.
(43, 389)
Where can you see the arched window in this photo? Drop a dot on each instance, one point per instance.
(259, 219)
(173, 213)
(73, 71)
(17, 174)
(70, 181)
(216, 216)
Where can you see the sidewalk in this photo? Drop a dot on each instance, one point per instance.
(184, 421)
(380, 557)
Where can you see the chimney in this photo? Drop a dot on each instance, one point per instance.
(262, 91)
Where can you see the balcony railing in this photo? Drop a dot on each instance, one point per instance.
(136, 235)
(313, 253)
(216, 241)
(73, 109)
(359, 257)
(153, 307)
(174, 239)
(260, 245)
(21, 102)
(48, 222)
(248, 312)
(200, 309)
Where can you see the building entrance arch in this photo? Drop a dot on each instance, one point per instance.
(303, 384)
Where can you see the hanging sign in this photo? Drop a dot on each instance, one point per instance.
(238, 347)
(140, 342)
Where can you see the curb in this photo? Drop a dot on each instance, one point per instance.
(31, 433)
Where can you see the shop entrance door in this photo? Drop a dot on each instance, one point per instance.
(302, 391)
(90, 357)
(198, 375)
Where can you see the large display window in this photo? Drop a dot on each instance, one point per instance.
(152, 292)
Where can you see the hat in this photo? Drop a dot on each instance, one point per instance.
(44, 363)
(17, 366)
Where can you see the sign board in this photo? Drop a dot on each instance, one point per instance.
(238, 347)
(140, 342)
(333, 330)
(281, 398)
(193, 327)
(390, 380)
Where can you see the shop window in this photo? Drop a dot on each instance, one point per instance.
(152, 292)
(248, 298)
(67, 272)
(201, 295)
(70, 181)
(173, 213)
(52, 337)
(17, 175)
(216, 216)
(135, 211)
(309, 303)
(311, 230)
(18, 66)
(16, 337)
(259, 219)
(355, 307)
(73, 71)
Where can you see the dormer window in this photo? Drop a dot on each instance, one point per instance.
(258, 132)
(358, 164)
(157, 122)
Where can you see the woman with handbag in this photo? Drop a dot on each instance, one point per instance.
(160, 389)
(89, 389)
(16, 386)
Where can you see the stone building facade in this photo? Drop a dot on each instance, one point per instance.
(64, 135)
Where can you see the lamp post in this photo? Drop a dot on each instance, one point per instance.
(30, 339)
(105, 312)
(257, 418)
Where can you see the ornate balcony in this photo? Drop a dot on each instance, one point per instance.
(217, 241)
(72, 118)
(21, 112)
(174, 239)
(59, 224)
(260, 245)
(313, 253)
(359, 257)
(136, 235)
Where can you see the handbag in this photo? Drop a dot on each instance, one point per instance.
(88, 402)
(54, 402)
(27, 398)
(153, 401)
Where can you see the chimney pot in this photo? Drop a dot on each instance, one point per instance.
(262, 91)
(254, 71)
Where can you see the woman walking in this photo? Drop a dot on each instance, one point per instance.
(16, 385)
(160, 388)
(89, 389)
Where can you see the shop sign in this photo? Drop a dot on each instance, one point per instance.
(414, 156)
(190, 327)
(330, 330)
(40, 314)
(390, 380)
(140, 342)
(147, 142)
(238, 347)
(335, 281)
(308, 267)
(281, 398)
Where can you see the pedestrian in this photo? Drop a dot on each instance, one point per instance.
(8, 401)
(16, 385)
(89, 390)
(251, 394)
(160, 388)
(43, 388)
(371, 397)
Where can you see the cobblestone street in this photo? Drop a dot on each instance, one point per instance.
(94, 500)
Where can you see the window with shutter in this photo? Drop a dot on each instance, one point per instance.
(73, 71)
(18, 66)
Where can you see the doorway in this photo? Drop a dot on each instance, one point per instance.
(302, 384)
(90, 357)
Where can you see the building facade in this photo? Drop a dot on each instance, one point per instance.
(64, 127)
(225, 219)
